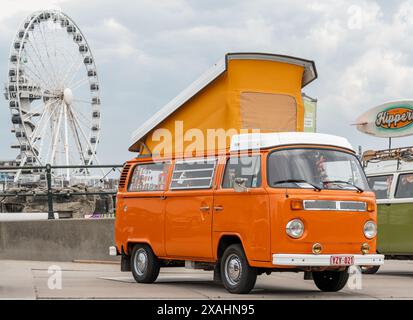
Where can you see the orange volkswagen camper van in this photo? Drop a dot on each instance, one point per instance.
(272, 202)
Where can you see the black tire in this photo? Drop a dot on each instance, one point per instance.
(330, 281)
(369, 269)
(242, 279)
(147, 271)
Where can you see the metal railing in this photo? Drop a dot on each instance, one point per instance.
(48, 169)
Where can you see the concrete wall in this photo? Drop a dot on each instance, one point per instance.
(57, 240)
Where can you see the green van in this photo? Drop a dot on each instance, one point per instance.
(390, 176)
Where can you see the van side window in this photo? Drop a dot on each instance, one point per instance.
(193, 174)
(381, 185)
(247, 167)
(149, 177)
(405, 186)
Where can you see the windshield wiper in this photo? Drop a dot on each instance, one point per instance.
(342, 181)
(297, 181)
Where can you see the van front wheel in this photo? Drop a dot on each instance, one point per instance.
(144, 264)
(330, 281)
(236, 274)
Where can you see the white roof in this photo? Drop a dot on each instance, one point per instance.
(310, 74)
(268, 140)
(387, 167)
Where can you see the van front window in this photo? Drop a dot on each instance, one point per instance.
(315, 168)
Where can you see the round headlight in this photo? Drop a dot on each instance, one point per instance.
(370, 229)
(295, 228)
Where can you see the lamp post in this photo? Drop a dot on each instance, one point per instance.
(49, 191)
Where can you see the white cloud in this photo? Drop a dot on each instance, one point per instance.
(112, 24)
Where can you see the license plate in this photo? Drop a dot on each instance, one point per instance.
(342, 260)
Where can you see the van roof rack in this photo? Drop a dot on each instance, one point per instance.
(401, 154)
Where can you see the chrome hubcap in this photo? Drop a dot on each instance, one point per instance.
(141, 262)
(233, 269)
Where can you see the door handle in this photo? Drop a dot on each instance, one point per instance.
(204, 208)
(218, 208)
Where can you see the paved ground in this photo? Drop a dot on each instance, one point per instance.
(31, 280)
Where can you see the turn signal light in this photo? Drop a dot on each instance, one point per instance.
(297, 205)
(365, 248)
(371, 206)
(317, 248)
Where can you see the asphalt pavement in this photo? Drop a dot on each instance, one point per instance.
(80, 280)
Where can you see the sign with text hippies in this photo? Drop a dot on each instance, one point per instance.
(389, 120)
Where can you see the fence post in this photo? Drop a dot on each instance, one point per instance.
(49, 191)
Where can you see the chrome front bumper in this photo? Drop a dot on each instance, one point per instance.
(323, 260)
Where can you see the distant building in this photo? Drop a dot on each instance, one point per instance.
(8, 175)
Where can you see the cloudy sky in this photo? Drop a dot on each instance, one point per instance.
(148, 51)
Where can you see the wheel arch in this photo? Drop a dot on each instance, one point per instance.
(131, 243)
(226, 240)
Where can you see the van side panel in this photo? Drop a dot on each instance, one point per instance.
(246, 214)
(188, 223)
(395, 224)
(142, 220)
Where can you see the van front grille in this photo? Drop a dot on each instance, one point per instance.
(327, 205)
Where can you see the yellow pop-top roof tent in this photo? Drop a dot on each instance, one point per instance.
(244, 91)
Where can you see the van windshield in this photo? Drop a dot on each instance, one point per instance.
(315, 168)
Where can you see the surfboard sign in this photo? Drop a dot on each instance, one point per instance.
(389, 120)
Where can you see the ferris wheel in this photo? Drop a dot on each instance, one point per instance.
(53, 93)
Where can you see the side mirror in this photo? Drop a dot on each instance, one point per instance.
(240, 184)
